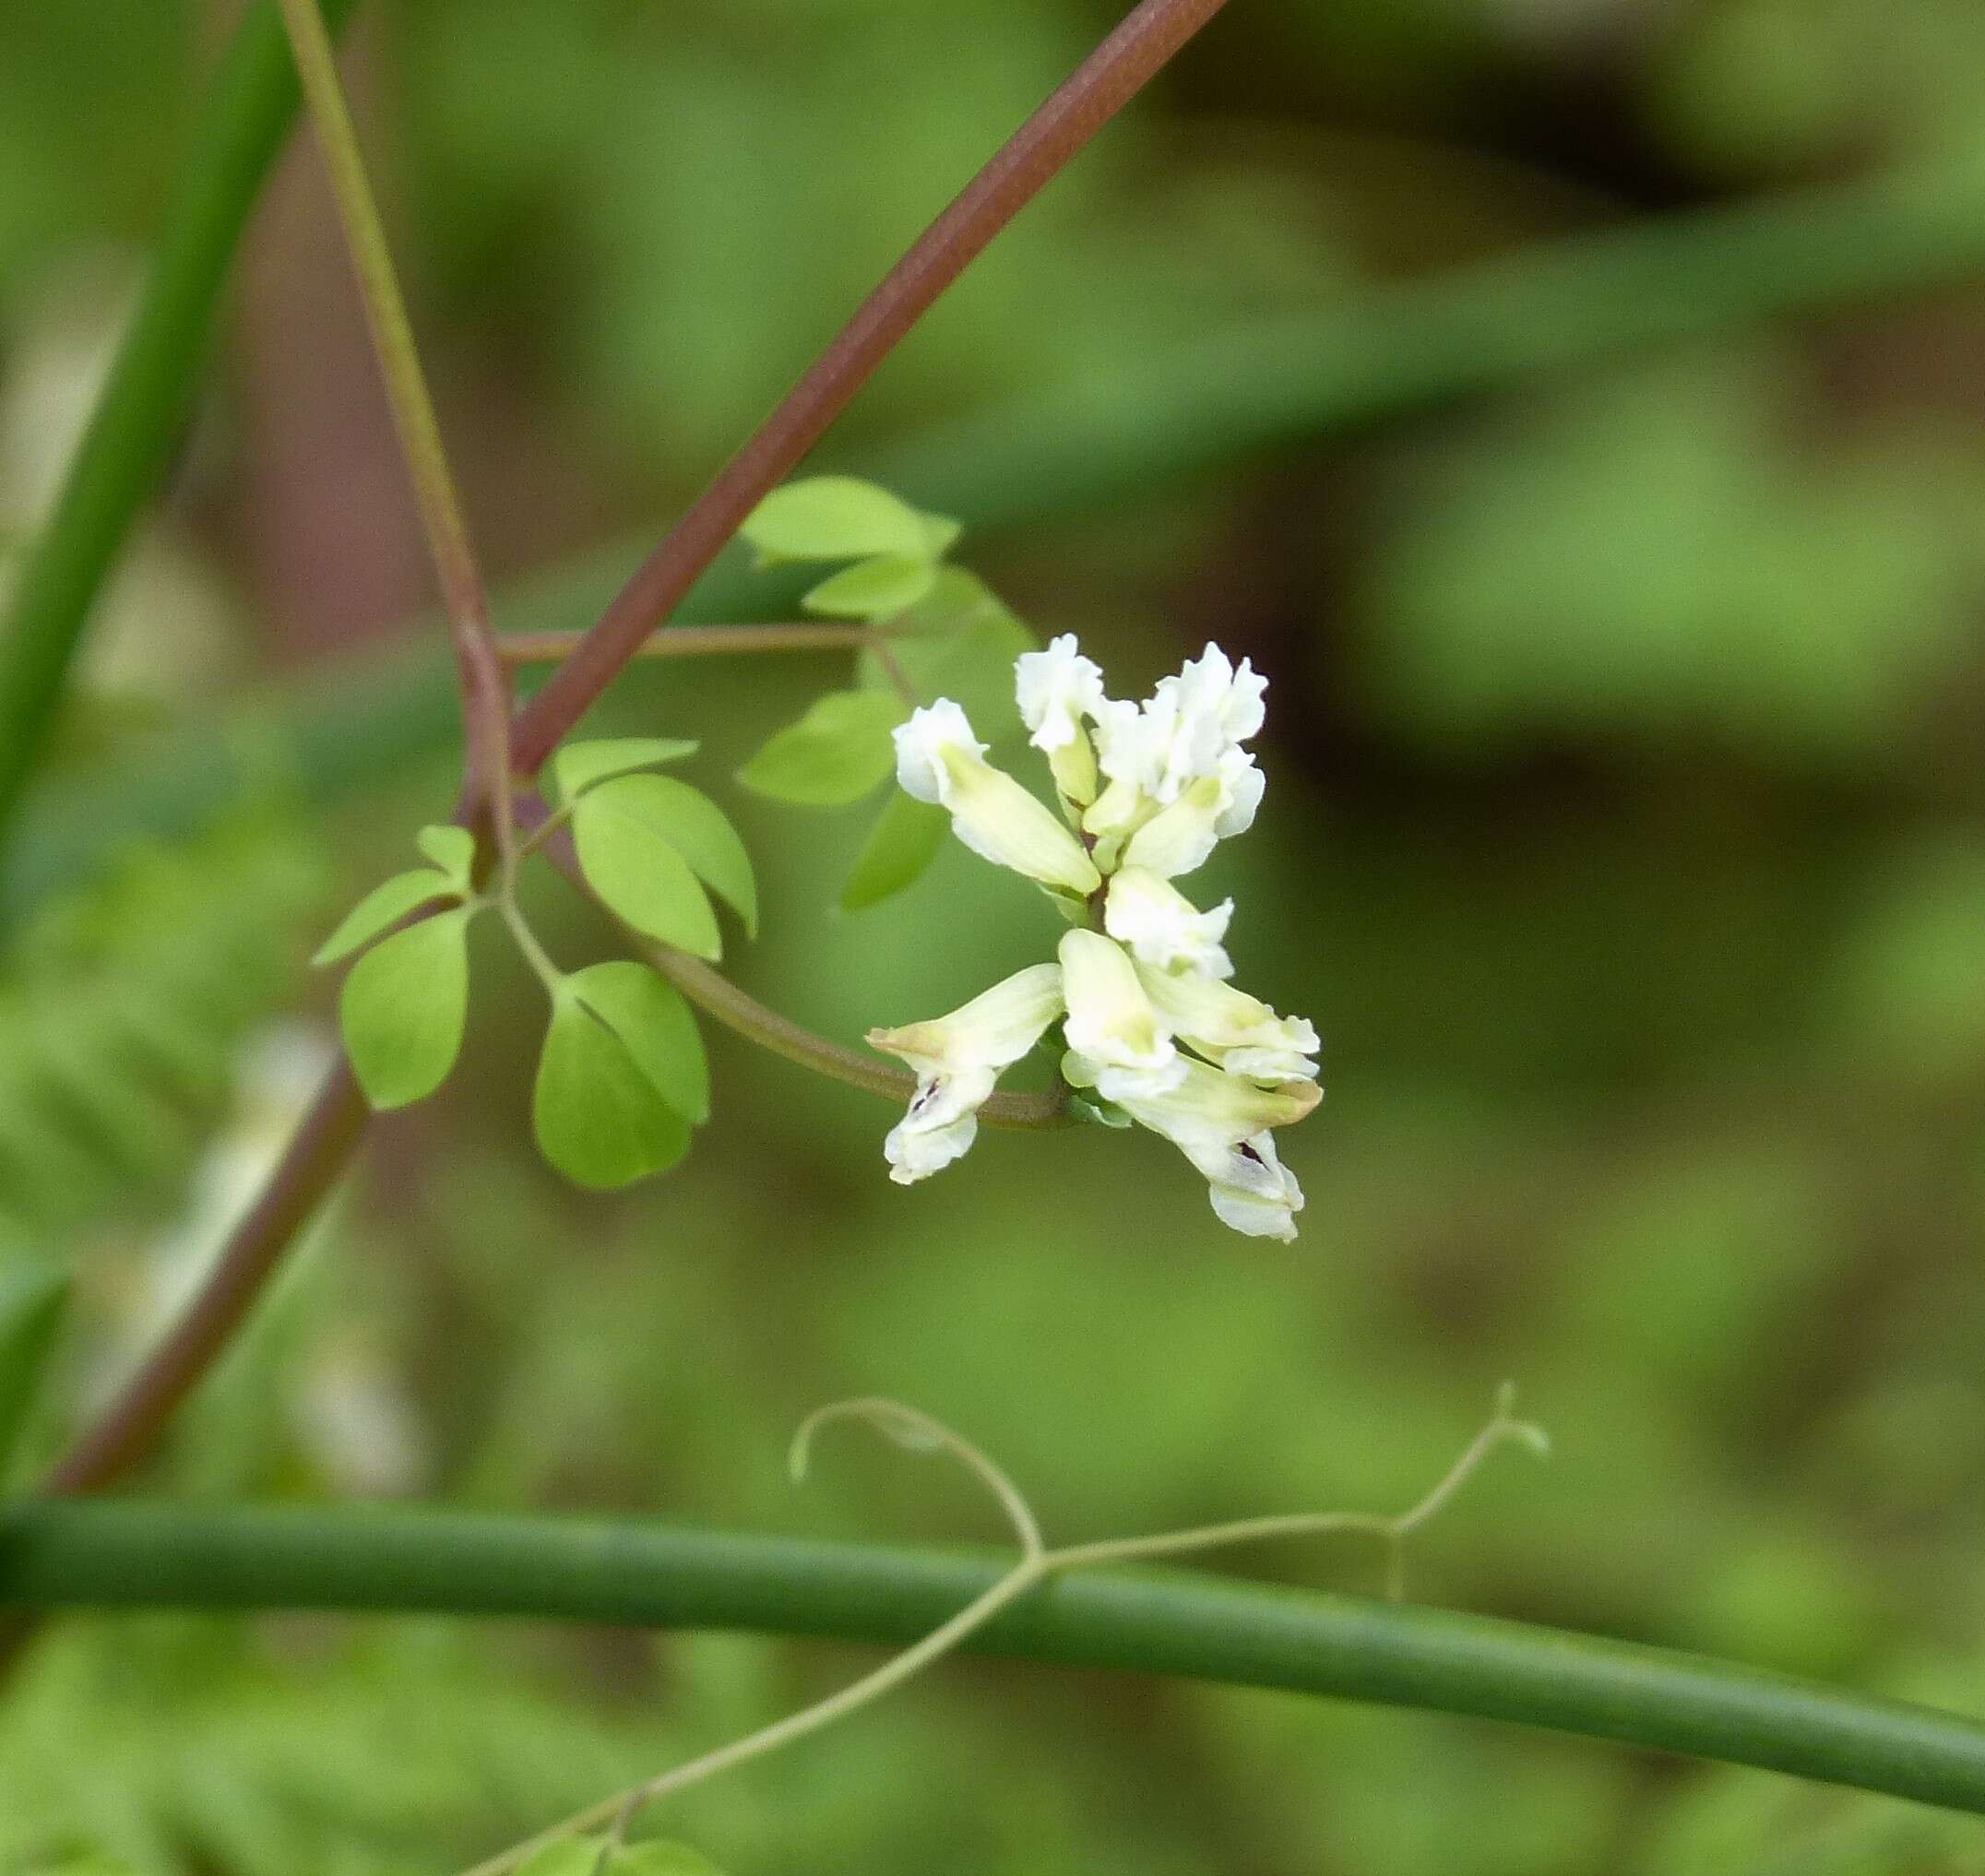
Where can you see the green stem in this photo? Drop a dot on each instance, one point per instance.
(134, 430)
(484, 679)
(132, 1555)
(702, 641)
(743, 1015)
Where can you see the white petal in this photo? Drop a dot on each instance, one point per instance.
(995, 1029)
(940, 1126)
(1163, 928)
(1001, 822)
(921, 744)
(1110, 1020)
(1238, 1032)
(1055, 689)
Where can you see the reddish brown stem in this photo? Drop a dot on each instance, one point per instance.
(1106, 80)
(129, 1427)
(1113, 73)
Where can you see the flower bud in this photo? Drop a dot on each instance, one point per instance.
(938, 759)
(1110, 1021)
(1241, 1034)
(1221, 1124)
(958, 1059)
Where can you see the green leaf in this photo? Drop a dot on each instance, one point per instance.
(580, 1857)
(579, 765)
(32, 1297)
(877, 588)
(631, 860)
(568, 1857)
(834, 755)
(656, 1026)
(835, 518)
(453, 850)
(659, 1857)
(901, 844)
(701, 832)
(960, 642)
(384, 907)
(404, 1008)
(600, 1120)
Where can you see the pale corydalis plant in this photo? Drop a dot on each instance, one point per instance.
(1152, 1031)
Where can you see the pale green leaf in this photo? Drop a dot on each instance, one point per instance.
(636, 867)
(835, 753)
(453, 850)
(568, 1857)
(876, 590)
(32, 1297)
(599, 1119)
(960, 642)
(404, 1008)
(901, 844)
(382, 908)
(940, 535)
(661, 1857)
(835, 518)
(656, 1026)
(701, 832)
(580, 1857)
(579, 765)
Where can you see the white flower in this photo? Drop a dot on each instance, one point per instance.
(958, 1059)
(1110, 1019)
(1239, 1033)
(1055, 690)
(1152, 788)
(1256, 1193)
(938, 759)
(1221, 1124)
(1241, 787)
(1163, 927)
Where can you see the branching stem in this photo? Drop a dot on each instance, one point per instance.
(485, 682)
(1035, 1564)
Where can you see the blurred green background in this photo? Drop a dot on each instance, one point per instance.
(1625, 839)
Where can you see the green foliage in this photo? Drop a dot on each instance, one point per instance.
(903, 842)
(895, 549)
(578, 765)
(838, 751)
(649, 845)
(404, 1007)
(122, 1010)
(32, 1297)
(593, 1857)
(960, 642)
(613, 1056)
(383, 907)
(1652, 558)
(842, 517)
(877, 588)
(948, 636)
(453, 850)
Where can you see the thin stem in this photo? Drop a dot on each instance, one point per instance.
(743, 1015)
(702, 641)
(486, 683)
(1106, 80)
(1023, 1576)
(1120, 67)
(129, 1428)
(907, 1427)
(140, 420)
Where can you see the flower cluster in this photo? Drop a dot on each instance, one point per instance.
(1154, 1032)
